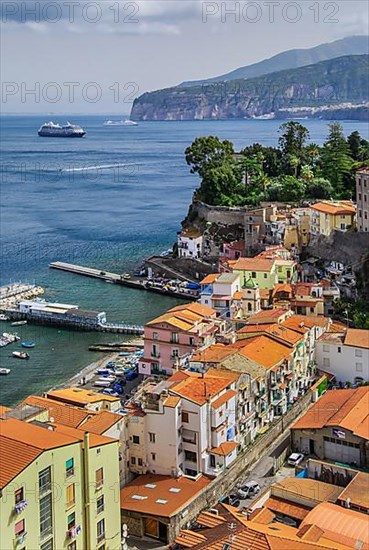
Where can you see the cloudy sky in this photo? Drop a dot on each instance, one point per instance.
(82, 56)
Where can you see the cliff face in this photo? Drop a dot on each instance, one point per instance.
(310, 91)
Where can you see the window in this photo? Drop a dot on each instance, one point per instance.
(133, 460)
(100, 504)
(44, 480)
(152, 437)
(71, 521)
(358, 353)
(326, 348)
(100, 529)
(190, 456)
(175, 353)
(212, 461)
(253, 274)
(48, 545)
(71, 495)
(359, 367)
(192, 340)
(69, 467)
(19, 495)
(140, 461)
(155, 336)
(153, 457)
(136, 439)
(99, 477)
(185, 417)
(174, 337)
(265, 275)
(20, 527)
(339, 349)
(326, 362)
(46, 516)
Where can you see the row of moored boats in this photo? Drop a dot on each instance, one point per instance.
(9, 338)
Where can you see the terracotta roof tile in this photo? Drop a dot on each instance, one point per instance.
(252, 264)
(37, 436)
(209, 279)
(172, 401)
(95, 440)
(358, 338)
(357, 491)
(15, 456)
(225, 448)
(62, 413)
(340, 524)
(334, 208)
(79, 396)
(200, 390)
(172, 493)
(189, 539)
(264, 350)
(287, 508)
(226, 396)
(100, 422)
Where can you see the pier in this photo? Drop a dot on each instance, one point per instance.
(132, 282)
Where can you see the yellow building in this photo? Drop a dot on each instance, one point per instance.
(262, 271)
(329, 216)
(59, 488)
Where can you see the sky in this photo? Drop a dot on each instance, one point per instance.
(82, 56)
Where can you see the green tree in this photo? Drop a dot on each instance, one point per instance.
(307, 173)
(286, 189)
(208, 152)
(336, 162)
(319, 188)
(292, 144)
(354, 143)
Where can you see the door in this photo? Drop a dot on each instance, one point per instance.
(339, 451)
(151, 527)
(163, 536)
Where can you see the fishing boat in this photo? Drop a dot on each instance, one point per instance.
(4, 371)
(20, 355)
(18, 323)
(28, 344)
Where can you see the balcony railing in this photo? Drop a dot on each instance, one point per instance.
(155, 354)
(20, 506)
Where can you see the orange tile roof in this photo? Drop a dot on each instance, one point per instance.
(200, 390)
(357, 491)
(348, 409)
(302, 323)
(80, 396)
(62, 413)
(4, 410)
(334, 208)
(340, 524)
(311, 489)
(209, 279)
(172, 401)
(189, 539)
(15, 456)
(252, 264)
(95, 440)
(264, 350)
(207, 519)
(213, 354)
(196, 308)
(226, 396)
(225, 448)
(172, 493)
(39, 437)
(100, 422)
(357, 338)
(266, 316)
(286, 507)
(275, 330)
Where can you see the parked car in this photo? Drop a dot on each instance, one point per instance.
(295, 459)
(110, 392)
(131, 375)
(232, 500)
(251, 488)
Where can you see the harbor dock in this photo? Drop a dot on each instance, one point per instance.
(128, 281)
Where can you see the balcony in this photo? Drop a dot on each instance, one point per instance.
(277, 397)
(155, 354)
(21, 538)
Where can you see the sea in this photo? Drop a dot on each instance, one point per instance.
(107, 201)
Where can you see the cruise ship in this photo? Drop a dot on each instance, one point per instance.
(50, 129)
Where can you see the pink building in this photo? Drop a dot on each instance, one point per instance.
(172, 337)
(233, 250)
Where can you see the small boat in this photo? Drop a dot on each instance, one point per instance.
(20, 355)
(4, 371)
(18, 323)
(3, 317)
(11, 337)
(28, 344)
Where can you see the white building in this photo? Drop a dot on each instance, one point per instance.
(344, 354)
(219, 290)
(190, 244)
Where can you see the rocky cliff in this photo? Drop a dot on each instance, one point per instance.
(339, 85)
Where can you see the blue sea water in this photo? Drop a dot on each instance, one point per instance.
(57, 204)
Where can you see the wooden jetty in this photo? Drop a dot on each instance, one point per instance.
(138, 284)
